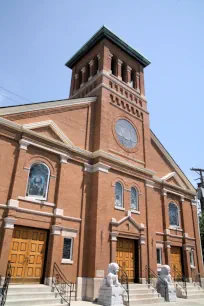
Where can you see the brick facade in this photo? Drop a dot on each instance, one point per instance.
(76, 139)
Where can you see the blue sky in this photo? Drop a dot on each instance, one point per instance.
(37, 37)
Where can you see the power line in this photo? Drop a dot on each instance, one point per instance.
(16, 95)
(8, 98)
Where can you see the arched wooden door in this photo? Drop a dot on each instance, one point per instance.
(125, 256)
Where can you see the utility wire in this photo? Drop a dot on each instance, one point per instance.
(9, 98)
(16, 95)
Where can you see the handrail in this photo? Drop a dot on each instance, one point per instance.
(123, 279)
(6, 284)
(149, 274)
(61, 284)
(179, 279)
(196, 277)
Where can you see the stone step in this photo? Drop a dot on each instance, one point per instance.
(140, 296)
(32, 295)
(146, 301)
(144, 291)
(28, 288)
(139, 286)
(36, 301)
(195, 296)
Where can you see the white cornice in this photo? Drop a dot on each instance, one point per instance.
(45, 105)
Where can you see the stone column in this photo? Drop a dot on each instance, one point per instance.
(143, 259)
(6, 244)
(76, 82)
(17, 188)
(138, 82)
(129, 69)
(83, 70)
(91, 65)
(167, 249)
(197, 236)
(187, 267)
(61, 188)
(113, 239)
(109, 64)
(119, 69)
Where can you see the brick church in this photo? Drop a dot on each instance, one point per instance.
(85, 182)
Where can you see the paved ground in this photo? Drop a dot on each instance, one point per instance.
(180, 302)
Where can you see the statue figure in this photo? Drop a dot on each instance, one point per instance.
(165, 285)
(112, 277)
(111, 292)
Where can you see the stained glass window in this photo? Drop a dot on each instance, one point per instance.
(173, 214)
(118, 195)
(126, 133)
(67, 249)
(134, 199)
(38, 181)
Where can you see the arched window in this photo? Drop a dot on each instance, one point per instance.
(38, 181)
(134, 199)
(118, 195)
(173, 214)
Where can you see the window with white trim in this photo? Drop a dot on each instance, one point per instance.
(134, 199)
(159, 256)
(173, 215)
(192, 262)
(67, 249)
(38, 181)
(118, 195)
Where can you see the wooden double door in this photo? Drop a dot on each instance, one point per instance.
(27, 254)
(127, 258)
(176, 263)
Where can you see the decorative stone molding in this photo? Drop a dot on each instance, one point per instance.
(149, 184)
(120, 62)
(36, 201)
(97, 167)
(64, 231)
(56, 230)
(167, 244)
(9, 222)
(142, 240)
(164, 192)
(58, 212)
(67, 261)
(186, 247)
(13, 203)
(182, 199)
(129, 68)
(83, 69)
(110, 55)
(113, 236)
(76, 76)
(64, 158)
(185, 235)
(194, 203)
(23, 144)
(128, 213)
(91, 63)
(167, 231)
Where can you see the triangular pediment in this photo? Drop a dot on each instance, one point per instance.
(173, 179)
(127, 224)
(49, 129)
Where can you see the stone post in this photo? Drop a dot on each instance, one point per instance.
(129, 69)
(91, 65)
(83, 70)
(119, 69)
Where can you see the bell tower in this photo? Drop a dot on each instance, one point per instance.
(110, 69)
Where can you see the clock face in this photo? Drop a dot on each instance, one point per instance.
(126, 133)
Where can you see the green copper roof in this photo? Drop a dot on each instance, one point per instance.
(104, 32)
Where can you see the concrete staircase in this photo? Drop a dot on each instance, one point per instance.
(194, 291)
(141, 294)
(28, 295)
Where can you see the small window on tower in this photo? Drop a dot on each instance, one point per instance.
(124, 72)
(113, 65)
